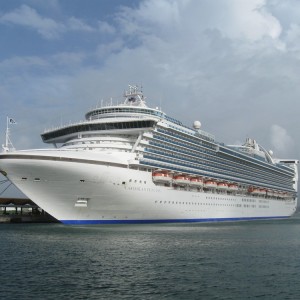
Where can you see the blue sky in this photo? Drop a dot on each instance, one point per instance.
(232, 64)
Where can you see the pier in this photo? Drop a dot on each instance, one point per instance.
(22, 210)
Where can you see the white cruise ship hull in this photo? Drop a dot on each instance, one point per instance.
(87, 191)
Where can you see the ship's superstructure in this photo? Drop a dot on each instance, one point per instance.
(129, 163)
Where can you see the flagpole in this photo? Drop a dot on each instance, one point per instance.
(8, 142)
(7, 134)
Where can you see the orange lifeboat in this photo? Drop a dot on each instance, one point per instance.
(196, 182)
(281, 194)
(232, 187)
(262, 192)
(222, 186)
(254, 191)
(257, 191)
(161, 176)
(181, 180)
(210, 184)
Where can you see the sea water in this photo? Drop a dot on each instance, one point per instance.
(242, 260)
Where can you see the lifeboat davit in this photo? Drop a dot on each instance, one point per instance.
(210, 184)
(161, 176)
(181, 180)
(196, 182)
(222, 186)
(232, 187)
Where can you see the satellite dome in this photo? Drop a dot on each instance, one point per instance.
(197, 125)
(271, 152)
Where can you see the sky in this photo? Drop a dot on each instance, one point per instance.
(231, 64)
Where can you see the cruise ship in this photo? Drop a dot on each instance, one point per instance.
(129, 163)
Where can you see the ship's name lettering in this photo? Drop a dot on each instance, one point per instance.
(142, 189)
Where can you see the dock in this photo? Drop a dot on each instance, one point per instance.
(22, 210)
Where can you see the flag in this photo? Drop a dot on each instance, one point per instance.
(11, 121)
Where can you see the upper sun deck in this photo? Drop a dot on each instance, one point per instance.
(134, 105)
(131, 113)
(122, 111)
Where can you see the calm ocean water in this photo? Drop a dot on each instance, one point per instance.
(245, 260)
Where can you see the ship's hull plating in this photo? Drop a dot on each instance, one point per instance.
(76, 192)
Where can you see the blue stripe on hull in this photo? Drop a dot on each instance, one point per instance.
(82, 222)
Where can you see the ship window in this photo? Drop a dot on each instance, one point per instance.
(92, 127)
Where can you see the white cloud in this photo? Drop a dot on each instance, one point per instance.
(48, 28)
(28, 17)
(159, 13)
(192, 41)
(78, 25)
(293, 37)
(104, 27)
(108, 49)
(280, 139)
(19, 64)
(70, 59)
(234, 19)
(252, 20)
